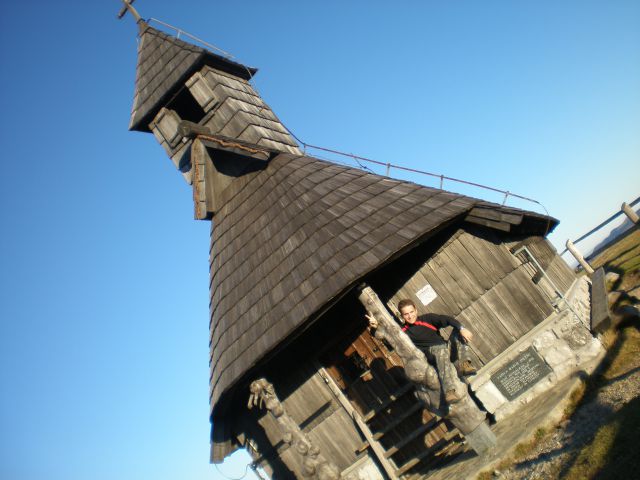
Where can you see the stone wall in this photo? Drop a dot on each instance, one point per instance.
(563, 342)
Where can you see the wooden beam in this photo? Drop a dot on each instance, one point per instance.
(496, 214)
(578, 256)
(202, 202)
(128, 7)
(239, 148)
(630, 213)
(503, 226)
(377, 449)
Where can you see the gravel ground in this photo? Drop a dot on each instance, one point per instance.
(558, 449)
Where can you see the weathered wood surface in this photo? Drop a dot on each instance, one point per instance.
(291, 239)
(385, 401)
(163, 63)
(216, 163)
(199, 158)
(553, 265)
(463, 413)
(202, 92)
(578, 256)
(304, 230)
(313, 407)
(630, 213)
(364, 428)
(600, 313)
(167, 122)
(312, 464)
(483, 285)
(240, 112)
(512, 217)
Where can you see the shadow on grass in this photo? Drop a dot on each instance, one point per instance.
(614, 264)
(612, 453)
(587, 417)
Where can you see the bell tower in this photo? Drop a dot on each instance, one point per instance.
(203, 110)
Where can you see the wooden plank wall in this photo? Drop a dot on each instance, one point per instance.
(483, 285)
(554, 266)
(310, 403)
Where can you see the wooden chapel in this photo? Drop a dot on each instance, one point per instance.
(296, 244)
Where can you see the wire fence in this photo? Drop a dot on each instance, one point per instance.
(603, 224)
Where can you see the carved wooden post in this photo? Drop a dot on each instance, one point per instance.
(464, 414)
(313, 464)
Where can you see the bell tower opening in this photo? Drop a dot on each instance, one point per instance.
(186, 106)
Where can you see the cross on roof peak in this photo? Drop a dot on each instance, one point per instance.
(128, 7)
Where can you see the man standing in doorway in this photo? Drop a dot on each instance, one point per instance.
(424, 333)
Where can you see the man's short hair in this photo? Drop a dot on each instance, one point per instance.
(406, 303)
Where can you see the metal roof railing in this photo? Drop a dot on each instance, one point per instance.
(442, 177)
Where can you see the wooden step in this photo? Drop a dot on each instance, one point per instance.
(421, 429)
(392, 398)
(398, 420)
(439, 446)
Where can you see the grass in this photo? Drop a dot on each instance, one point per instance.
(575, 399)
(624, 255)
(623, 356)
(520, 452)
(623, 258)
(613, 451)
(610, 454)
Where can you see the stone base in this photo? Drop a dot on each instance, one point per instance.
(482, 439)
(563, 341)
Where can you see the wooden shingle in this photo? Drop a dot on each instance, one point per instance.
(299, 234)
(164, 64)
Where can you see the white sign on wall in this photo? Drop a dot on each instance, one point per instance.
(427, 294)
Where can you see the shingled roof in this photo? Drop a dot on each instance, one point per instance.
(164, 64)
(291, 238)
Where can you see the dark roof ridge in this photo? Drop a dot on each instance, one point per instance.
(237, 69)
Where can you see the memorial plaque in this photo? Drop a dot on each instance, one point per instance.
(520, 374)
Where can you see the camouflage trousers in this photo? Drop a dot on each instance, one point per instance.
(440, 357)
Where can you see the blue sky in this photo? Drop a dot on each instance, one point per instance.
(104, 302)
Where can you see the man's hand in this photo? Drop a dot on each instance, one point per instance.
(373, 323)
(466, 334)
